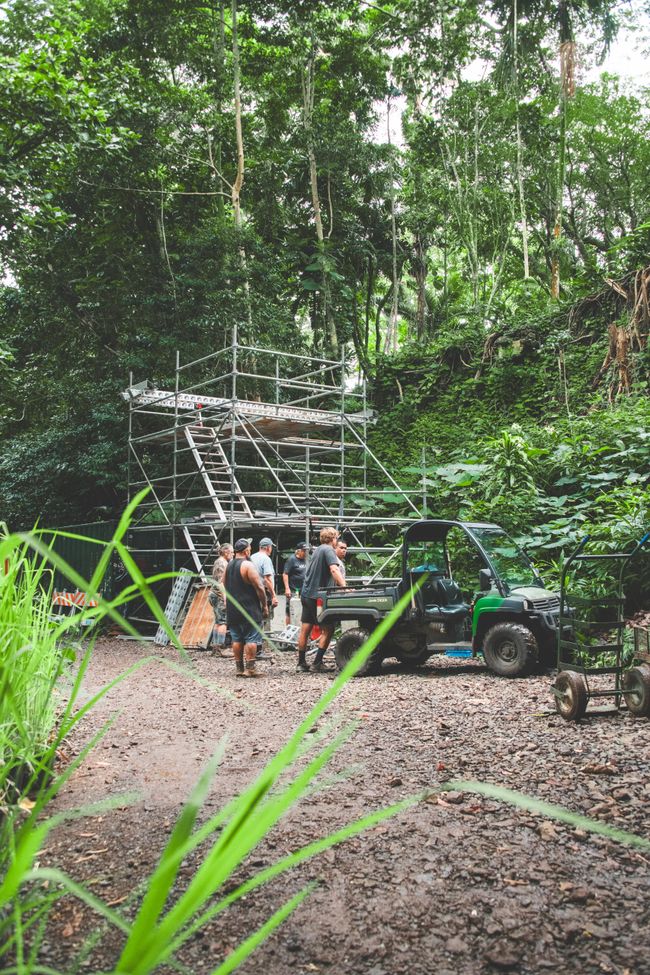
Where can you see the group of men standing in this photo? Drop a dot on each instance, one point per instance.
(243, 597)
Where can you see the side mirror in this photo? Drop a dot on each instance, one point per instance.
(485, 580)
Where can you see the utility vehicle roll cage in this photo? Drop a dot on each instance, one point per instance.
(438, 530)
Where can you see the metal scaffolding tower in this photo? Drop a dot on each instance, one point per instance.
(253, 441)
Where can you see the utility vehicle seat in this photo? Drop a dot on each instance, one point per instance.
(442, 597)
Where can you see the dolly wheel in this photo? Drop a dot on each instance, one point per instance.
(636, 684)
(571, 695)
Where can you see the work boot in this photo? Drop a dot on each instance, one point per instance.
(302, 667)
(318, 667)
(239, 668)
(251, 672)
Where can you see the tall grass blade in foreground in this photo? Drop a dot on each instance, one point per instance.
(244, 823)
(31, 665)
(37, 693)
(160, 929)
(550, 811)
(162, 925)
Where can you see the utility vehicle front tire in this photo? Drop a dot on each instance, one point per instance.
(346, 647)
(510, 650)
(636, 684)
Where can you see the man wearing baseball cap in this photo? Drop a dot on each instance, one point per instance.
(262, 562)
(293, 576)
(246, 607)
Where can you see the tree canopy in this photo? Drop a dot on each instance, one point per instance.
(170, 168)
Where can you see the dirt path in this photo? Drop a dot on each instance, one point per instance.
(463, 885)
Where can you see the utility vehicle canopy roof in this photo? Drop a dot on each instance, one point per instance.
(437, 531)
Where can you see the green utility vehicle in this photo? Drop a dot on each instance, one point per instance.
(512, 619)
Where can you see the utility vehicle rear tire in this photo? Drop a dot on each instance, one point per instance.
(572, 703)
(346, 647)
(510, 650)
(636, 682)
(415, 657)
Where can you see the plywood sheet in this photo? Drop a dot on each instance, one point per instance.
(277, 427)
(199, 621)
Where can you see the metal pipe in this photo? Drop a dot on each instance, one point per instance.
(287, 355)
(205, 382)
(175, 458)
(316, 372)
(380, 465)
(129, 444)
(205, 358)
(233, 447)
(153, 490)
(424, 481)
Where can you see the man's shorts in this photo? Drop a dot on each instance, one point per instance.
(309, 610)
(219, 607)
(244, 632)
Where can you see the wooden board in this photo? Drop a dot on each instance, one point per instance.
(199, 621)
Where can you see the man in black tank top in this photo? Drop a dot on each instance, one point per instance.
(246, 607)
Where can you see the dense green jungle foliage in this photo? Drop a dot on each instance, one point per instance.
(172, 168)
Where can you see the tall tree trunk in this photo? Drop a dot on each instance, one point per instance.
(419, 264)
(370, 290)
(380, 308)
(522, 201)
(235, 192)
(219, 49)
(475, 194)
(567, 90)
(520, 165)
(360, 346)
(419, 259)
(390, 342)
(308, 94)
(239, 178)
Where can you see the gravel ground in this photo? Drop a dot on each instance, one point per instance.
(458, 883)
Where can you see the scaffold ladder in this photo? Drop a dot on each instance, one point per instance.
(218, 476)
(201, 540)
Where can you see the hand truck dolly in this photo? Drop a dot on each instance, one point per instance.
(590, 647)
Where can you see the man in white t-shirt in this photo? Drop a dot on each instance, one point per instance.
(262, 562)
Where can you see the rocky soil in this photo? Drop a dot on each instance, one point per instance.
(457, 884)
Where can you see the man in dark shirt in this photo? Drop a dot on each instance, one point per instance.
(323, 566)
(293, 577)
(246, 607)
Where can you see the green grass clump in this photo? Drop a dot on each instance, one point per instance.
(32, 661)
(36, 650)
